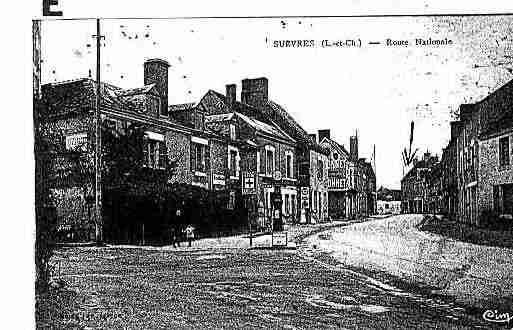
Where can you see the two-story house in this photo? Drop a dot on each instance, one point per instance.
(273, 151)
(67, 124)
(309, 158)
(496, 155)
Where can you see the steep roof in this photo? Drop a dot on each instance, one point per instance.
(339, 147)
(289, 125)
(80, 95)
(267, 128)
(270, 112)
(504, 122)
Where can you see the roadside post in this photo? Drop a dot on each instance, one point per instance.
(279, 236)
(249, 183)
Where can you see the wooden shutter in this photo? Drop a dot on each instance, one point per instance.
(163, 157)
(207, 158)
(146, 159)
(193, 157)
(262, 160)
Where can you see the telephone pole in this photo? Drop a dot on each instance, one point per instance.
(97, 152)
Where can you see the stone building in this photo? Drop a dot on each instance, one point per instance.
(468, 163)
(351, 180)
(415, 190)
(67, 125)
(309, 158)
(388, 201)
(272, 151)
(449, 175)
(495, 173)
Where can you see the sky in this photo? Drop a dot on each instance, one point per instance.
(374, 89)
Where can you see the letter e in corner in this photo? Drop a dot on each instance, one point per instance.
(46, 8)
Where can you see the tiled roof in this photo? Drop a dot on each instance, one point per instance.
(271, 129)
(287, 123)
(139, 90)
(271, 112)
(338, 146)
(268, 128)
(80, 95)
(504, 122)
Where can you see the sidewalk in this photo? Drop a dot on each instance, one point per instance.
(476, 275)
(295, 234)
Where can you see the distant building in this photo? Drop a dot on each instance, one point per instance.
(351, 180)
(474, 181)
(415, 189)
(388, 201)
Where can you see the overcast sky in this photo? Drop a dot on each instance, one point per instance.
(376, 90)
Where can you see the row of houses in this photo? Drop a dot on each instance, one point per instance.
(220, 145)
(473, 181)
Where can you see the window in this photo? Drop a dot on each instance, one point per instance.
(200, 156)
(199, 120)
(231, 201)
(76, 142)
(155, 154)
(289, 171)
(287, 204)
(233, 136)
(269, 160)
(504, 151)
(320, 169)
(335, 156)
(233, 161)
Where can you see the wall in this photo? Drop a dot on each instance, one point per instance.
(490, 173)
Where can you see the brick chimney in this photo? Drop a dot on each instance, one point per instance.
(323, 133)
(353, 148)
(455, 125)
(255, 91)
(156, 72)
(231, 94)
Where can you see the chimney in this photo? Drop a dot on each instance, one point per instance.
(231, 94)
(323, 133)
(313, 137)
(353, 148)
(255, 91)
(156, 72)
(454, 129)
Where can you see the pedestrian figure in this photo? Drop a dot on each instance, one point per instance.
(189, 233)
(174, 237)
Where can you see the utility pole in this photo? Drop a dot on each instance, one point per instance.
(375, 208)
(97, 136)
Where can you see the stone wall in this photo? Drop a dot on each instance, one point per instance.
(490, 173)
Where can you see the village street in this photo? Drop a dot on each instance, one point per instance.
(236, 287)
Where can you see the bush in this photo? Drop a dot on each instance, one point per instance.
(46, 220)
(491, 220)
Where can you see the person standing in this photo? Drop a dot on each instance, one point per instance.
(174, 237)
(189, 234)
